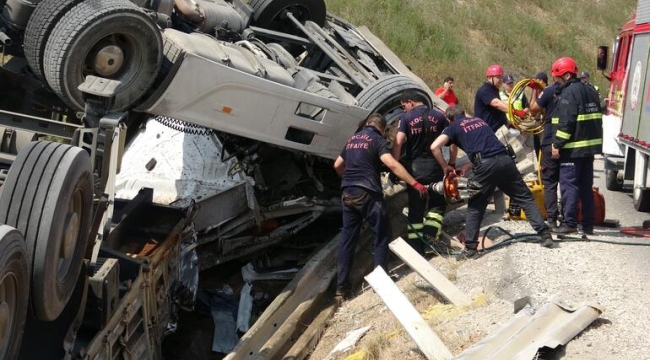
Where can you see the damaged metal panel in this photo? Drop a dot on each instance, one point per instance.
(554, 324)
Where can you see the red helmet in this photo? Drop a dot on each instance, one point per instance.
(494, 70)
(564, 65)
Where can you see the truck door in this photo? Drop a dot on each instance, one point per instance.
(637, 91)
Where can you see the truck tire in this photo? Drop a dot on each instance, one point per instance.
(267, 13)
(113, 39)
(39, 27)
(48, 197)
(612, 182)
(383, 95)
(14, 291)
(641, 198)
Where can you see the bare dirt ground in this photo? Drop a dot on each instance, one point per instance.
(613, 275)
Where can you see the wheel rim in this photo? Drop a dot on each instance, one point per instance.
(109, 60)
(116, 57)
(8, 309)
(71, 234)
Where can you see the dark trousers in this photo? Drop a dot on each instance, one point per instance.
(499, 171)
(360, 204)
(550, 179)
(425, 214)
(576, 181)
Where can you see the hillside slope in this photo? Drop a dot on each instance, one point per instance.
(461, 38)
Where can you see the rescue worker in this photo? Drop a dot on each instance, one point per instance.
(577, 138)
(584, 77)
(518, 103)
(487, 101)
(359, 166)
(550, 167)
(493, 168)
(416, 131)
(446, 92)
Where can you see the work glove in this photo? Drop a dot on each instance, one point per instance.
(519, 113)
(534, 85)
(421, 189)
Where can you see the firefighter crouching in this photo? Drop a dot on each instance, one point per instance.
(493, 168)
(417, 129)
(578, 136)
(359, 166)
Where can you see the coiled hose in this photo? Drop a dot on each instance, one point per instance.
(531, 125)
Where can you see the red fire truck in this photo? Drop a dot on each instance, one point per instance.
(626, 124)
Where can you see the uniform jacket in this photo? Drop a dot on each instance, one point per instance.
(579, 130)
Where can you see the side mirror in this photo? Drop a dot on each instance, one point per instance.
(601, 61)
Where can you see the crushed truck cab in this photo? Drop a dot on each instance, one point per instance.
(174, 134)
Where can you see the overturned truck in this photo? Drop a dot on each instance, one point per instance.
(143, 140)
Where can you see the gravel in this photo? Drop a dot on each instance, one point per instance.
(614, 276)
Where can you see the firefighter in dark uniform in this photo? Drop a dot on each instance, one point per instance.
(577, 138)
(359, 166)
(493, 168)
(417, 130)
(487, 101)
(546, 100)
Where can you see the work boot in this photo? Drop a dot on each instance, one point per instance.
(547, 239)
(468, 254)
(589, 230)
(343, 293)
(552, 224)
(564, 230)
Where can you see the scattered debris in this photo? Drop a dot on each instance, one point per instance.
(225, 331)
(249, 274)
(245, 308)
(350, 340)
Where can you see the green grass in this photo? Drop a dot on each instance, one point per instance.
(461, 38)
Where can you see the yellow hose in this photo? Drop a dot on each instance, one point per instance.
(529, 124)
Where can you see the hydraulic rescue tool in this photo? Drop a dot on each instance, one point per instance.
(456, 189)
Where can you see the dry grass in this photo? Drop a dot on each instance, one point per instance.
(461, 38)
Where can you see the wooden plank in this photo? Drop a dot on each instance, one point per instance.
(308, 340)
(426, 339)
(440, 283)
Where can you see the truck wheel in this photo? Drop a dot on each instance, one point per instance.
(612, 181)
(113, 39)
(641, 197)
(383, 95)
(48, 198)
(39, 27)
(14, 291)
(268, 13)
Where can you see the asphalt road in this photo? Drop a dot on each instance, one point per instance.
(618, 205)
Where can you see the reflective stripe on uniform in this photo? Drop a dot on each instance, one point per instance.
(433, 223)
(555, 120)
(434, 215)
(563, 135)
(592, 116)
(582, 144)
(418, 226)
